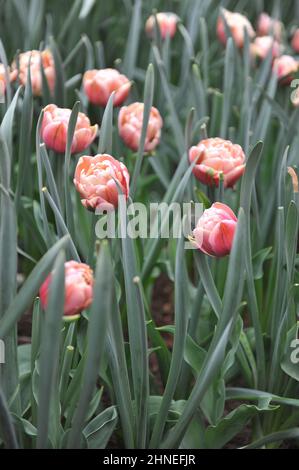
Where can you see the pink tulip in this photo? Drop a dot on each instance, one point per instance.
(167, 23)
(95, 180)
(285, 67)
(55, 125)
(99, 84)
(36, 58)
(267, 26)
(236, 23)
(130, 124)
(215, 229)
(215, 157)
(11, 75)
(78, 288)
(295, 41)
(261, 46)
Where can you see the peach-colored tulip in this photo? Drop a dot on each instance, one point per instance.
(130, 125)
(295, 41)
(236, 23)
(99, 84)
(78, 288)
(285, 67)
(95, 179)
(261, 46)
(36, 58)
(215, 157)
(11, 75)
(55, 125)
(167, 23)
(269, 26)
(215, 229)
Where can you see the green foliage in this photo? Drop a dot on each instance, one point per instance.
(111, 376)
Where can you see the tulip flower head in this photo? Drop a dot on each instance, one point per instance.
(11, 76)
(236, 24)
(285, 67)
(78, 288)
(130, 125)
(167, 23)
(217, 158)
(36, 60)
(99, 84)
(261, 46)
(55, 125)
(215, 230)
(295, 41)
(269, 26)
(96, 179)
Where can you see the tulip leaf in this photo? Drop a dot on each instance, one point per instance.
(105, 141)
(50, 337)
(96, 334)
(99, 430)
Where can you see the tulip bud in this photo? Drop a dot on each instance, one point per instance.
(99, 84)
(11, 75)
(215, 229)
(36, 58)
(167, 23)
(269, 26)
(55, 125)
(130, 120)
(95, 179)
(261, 46)
(285, 67)
(78, 288)
(236, 23)
(295, 41)
(215, 157)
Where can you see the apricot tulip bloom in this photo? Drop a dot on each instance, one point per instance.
(78, 288)
(236, 23)
(36, 60)
(130, 125)
(215, 157)
(215, 230)
(285, 67)
(167, 23)
(99, 84)
(96, 180)
(55, 125)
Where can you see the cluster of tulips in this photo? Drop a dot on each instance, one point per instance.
(215, 161)
(266, 40)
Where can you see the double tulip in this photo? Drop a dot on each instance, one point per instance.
(167, 24)
(99, 84)
(55, 125)
(285, 67)
(11, 77)
(295, 41)
(236, 23)
(261, 46)
(216, 158)
(78, 288)
(130, 125)
(215, 230)
(267, 25)
(36, 59)
(97, 180)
